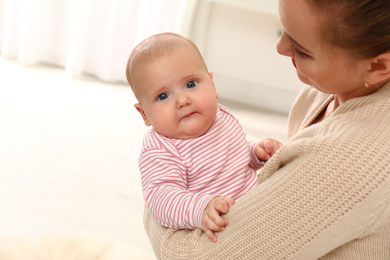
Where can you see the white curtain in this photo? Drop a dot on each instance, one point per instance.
(83, 36)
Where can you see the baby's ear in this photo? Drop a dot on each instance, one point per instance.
(139, 108)
(379, 68)
(211, 75)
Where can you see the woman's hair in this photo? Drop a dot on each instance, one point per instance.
(359, 26)
(157, 46)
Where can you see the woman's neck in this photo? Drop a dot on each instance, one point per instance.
(328, 111)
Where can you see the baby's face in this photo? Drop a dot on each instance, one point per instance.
(177, 95)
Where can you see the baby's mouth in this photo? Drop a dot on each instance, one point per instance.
(188, 115)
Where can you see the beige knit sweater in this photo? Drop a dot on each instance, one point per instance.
(325, 194)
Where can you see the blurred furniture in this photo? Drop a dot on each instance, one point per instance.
(238, 40)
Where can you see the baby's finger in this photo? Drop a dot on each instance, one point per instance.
(229, 201)
(214, 223)
(262, 155)
(210, 234)
(268, 146)
(222, 206)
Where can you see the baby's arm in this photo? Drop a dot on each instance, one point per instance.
(266, 148)
(164, 184)
(211, 218)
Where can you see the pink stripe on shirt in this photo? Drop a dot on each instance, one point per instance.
(180, 177)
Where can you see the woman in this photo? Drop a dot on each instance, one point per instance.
(326, 193)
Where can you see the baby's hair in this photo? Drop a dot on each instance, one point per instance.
(154, 47)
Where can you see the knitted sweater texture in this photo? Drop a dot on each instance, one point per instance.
(324, 195)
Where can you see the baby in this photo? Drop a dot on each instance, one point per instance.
(195, 161)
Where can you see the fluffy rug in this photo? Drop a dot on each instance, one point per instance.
(66, 247)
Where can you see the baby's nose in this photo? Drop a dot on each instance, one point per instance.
(183, 100)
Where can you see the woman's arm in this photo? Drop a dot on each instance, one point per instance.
(307, 189)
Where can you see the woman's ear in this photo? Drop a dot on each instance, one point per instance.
(139, 108)
(379, 68)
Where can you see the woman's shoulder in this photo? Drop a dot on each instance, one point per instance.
(372, 109)
(309, 103)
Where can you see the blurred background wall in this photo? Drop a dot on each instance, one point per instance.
(83, 36)
(236, 37)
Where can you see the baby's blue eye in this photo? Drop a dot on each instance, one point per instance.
(162, 96)
(191, 84)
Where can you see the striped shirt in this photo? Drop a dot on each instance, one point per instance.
(180, 177)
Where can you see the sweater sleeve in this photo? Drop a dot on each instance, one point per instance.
(326, 189)
(164, 184)
(293, 211)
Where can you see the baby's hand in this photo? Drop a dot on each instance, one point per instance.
(211, 218)
(266, 148)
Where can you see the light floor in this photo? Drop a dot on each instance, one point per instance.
(68, 155)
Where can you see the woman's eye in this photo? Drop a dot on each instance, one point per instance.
(162, 96)
(298, 53)
(191, 84)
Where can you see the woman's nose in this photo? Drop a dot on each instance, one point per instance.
(284, 46)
